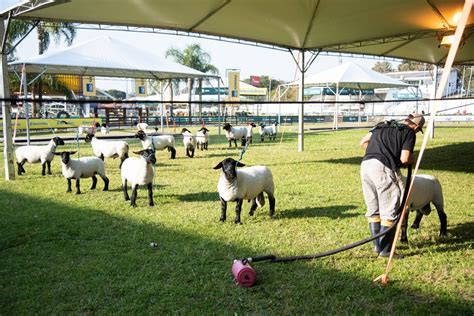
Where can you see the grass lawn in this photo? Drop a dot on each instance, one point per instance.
(62, 253)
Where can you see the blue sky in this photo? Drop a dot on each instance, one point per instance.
(249, 60)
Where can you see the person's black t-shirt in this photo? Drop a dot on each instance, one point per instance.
(386, 145)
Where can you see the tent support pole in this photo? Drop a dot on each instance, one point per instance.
(6, 108)
(301, 98)
(219, 106)
(162, 90)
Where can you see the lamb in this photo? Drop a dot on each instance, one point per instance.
(108, 148)
(142, 127)
(271, 131)
(138, 171)
(250, 132)
(233, 133)
(202, 138)
(244, 184)
(104, 129)
(84, 167)
(426, 190)
(159, 142)
(189, 141)
(35, 154)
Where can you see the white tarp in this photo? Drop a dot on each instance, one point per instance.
(106, 57)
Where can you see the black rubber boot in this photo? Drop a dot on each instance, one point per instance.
(374, 228)
(386, 241)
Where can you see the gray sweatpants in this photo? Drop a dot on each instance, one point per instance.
(382, 189)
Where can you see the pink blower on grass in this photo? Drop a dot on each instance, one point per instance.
(244, 274)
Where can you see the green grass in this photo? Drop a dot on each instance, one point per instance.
(90, 254)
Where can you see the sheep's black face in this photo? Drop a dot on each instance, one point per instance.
(65, 156)
(97, 124)
(228, 166)
(148, 154)
(89, 137)
(140, 135)
(253, 125)
(184, 130)
(203, 130)
(262, 125)
(58, 141)
(227, 127)
(104, 125)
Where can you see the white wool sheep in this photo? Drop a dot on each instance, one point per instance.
(142, 127)
(233, 133)
(108, 148)
(270, 131)
(84, 167)
(426, 190)
(104, 129)
(36, 154)
(138, 171)
(158, 142)
(189, 142)
(202, 138)
(244, 184)
(86, 129)
(249, 135)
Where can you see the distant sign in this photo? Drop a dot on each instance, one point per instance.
(141, 88)
(88, 86)
(234, 85)
(55, 123)
(255, 81)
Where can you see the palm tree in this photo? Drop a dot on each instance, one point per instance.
(47, 31)
(193, 56)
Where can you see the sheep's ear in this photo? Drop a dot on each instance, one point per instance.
(239, 164)
(58, 154)
(138, 152)
(219, 165)
(72, 152)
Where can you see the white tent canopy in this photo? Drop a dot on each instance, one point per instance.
(352, 75)
(106, 57)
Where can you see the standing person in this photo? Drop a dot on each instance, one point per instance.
(388, 147)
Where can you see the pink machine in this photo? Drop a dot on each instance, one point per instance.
(243, 273)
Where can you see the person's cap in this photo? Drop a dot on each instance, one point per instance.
(418, 119)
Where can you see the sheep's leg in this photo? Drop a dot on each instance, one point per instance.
(94, 182)
(253, 207)
(416, 222)
(223, 210)
(187, 152)
(404, 238)
(192, 153)
(125, 191)
(150, 194)
(106, 183)
(78, 186)
(271, 200)
(443, 219)
(49, 167)
(238, 210)
(173, 152)
(133, 199)
(262, 138)
(235, 142)
(243, 141)
(122, 159)
(206, 144)
(68, 185)
(43, 168)
(101, 156)
(230, 142)
(20, 168)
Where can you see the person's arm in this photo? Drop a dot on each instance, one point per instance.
(406, 157)
(364, 142)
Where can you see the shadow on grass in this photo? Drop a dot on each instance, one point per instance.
(199, 197)
(58, 259)
(330, 212)
(455, 157)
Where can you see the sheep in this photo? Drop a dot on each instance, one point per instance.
(35, 154)
(159, 142)
(233, 133)
(108, 148)
(84, 167)
(142, 127)
(138, 171)
(249, 135)
(271, 131)
(202, 138)
(104, 129)
(426, 190)
(244, 184)
(87, 129)
(189, 142)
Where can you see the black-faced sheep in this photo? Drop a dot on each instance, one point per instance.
(36, 154)
(138, 171)
(202, 138)
(108, 148)
(84, 167)
(270, 131)
(426, 190)
(244, 184)
(189, 142)
(233, 133)
(158, 142)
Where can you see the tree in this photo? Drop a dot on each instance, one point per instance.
(193, 56)
(46, 32)
(117, 94)
(410, 65)
(382, 67)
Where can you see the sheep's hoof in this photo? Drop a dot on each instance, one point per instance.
(222, 219)
(238, 222)
(404, 240)
(133, 205)
(151, 204)
(78, 192)
(127, 199)
(414, 226)
(251, 213)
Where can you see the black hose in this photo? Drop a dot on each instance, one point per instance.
(273, 258)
